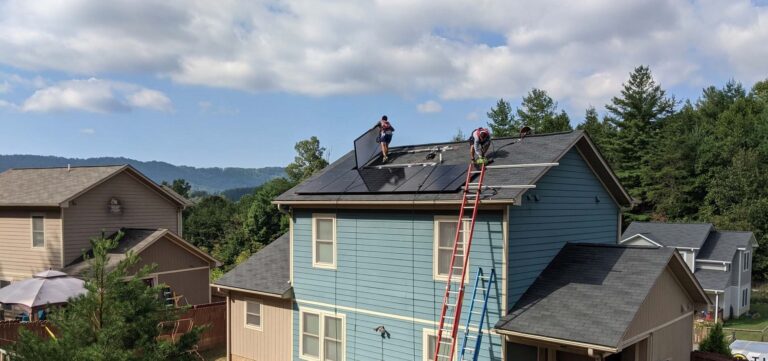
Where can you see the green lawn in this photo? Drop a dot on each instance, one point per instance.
(749, 323)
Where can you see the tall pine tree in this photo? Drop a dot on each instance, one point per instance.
(539, 112)
(637, 114)
(502, 120)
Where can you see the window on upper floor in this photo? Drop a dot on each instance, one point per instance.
(253, 314)
(747, 258)
(324, 241)
(445, 233)
(322, 336)
(38, 231)
(429, 344)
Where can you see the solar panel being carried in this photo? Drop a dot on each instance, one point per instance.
(366, 147)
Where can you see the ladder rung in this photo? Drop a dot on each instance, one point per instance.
(473, 184)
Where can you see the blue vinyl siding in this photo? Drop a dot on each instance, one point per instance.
(566, 211)
(385, 266)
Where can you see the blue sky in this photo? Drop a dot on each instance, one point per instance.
(238, 83)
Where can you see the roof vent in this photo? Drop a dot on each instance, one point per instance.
(69, 167)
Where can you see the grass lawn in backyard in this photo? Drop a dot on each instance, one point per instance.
(748, 323)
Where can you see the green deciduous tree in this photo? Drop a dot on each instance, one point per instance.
(309, 159)
(540, 112)
(208, 221)
(180, 186)
(117, 320)
(502, 120)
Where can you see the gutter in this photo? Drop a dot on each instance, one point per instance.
(275, 295)
(590, 347)
(374, 203)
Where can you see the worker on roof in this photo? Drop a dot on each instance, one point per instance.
(479, 142)
(385, 136)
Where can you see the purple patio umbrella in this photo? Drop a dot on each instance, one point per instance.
(47, 287)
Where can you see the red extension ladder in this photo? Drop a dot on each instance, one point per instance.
(450, 315)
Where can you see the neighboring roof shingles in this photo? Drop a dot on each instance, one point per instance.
(683, 235)
(266, 271)
(713, 279)
(48, 186)
(134, 239)
(599, 286)
(722, 245)
(547, 148)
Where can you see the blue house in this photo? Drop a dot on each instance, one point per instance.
(370, 243)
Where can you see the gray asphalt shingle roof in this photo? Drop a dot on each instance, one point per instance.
(48, 186)
(722, 245)
(713, 279)
(546, 148)
(266, 271)
(132, 240)
(683, 235)
(588, 293)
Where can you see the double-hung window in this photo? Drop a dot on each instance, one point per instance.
(253, 314)
(38, 231)
(324, 241)
(445, 233)
(430, 342)
(746, 259)
(322, 336)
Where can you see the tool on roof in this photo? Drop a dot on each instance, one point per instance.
(471, 343)
(450, 314)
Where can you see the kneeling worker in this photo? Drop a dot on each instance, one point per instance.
(479, 142)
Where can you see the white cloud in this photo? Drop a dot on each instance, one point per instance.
(88, 131)
(579, 51)
(96, 96)
(429, 106)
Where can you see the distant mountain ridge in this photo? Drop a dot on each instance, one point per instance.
(212, 180)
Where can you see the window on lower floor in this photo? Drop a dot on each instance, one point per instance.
(744, 297)
(322, 336)
(253, 314)
(430, 343)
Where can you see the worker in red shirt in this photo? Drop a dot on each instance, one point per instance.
(385, 136)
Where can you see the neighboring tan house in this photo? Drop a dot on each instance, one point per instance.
(49, 215)
(259, 305)
(370, 248)
(721, 260)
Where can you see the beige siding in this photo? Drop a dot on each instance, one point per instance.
(88, 216)
(193, 285)
(667, 301)
(168, 256)
(18, 259)
(674, 342)
(273, 342)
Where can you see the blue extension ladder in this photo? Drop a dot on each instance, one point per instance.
(484, 284)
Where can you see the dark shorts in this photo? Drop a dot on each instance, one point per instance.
(385, 138)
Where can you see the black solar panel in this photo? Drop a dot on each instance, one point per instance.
(445, 178)
(366, 147)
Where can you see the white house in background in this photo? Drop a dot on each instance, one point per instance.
(721, 260)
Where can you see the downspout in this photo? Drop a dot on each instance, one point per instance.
(229, 336)
(741, 269)
(717, 303)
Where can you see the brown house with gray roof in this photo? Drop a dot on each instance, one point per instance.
(49, 215)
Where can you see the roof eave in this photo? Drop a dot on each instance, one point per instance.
(611, 349)
(284, 295)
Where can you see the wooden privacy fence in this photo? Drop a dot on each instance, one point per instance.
(213, 316)
(701, 331)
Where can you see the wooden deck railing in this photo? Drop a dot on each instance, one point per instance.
(213, 316)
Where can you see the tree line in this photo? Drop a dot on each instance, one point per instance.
(702, 160)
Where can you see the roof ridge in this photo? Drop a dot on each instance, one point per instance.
(70, 167)
(673, 222)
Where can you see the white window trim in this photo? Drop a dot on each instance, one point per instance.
(746, 258)
(32, 230)
(321, 327)
(247, 325)
(436, 242)
(426, 333)
(315, 264)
